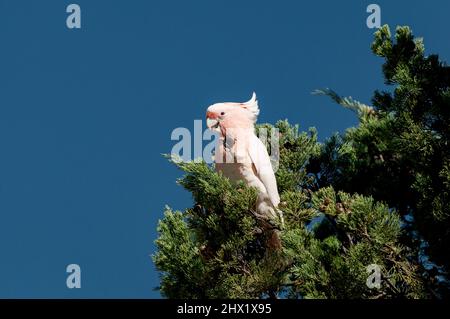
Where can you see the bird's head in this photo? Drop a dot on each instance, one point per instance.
(222, 116)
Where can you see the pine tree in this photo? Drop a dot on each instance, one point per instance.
(400, 152)
(377, 195)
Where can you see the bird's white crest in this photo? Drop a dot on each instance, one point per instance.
(252, 106)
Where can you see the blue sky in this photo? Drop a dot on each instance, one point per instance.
(85, 115)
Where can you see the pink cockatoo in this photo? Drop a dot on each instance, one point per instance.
(241, 156)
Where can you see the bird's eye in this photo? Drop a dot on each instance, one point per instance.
(223, 113)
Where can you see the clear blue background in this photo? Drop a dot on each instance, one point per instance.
(85, 115)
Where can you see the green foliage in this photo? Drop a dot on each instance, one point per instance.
(217, 248)
(227, 258)
(401, 154)
(361, 109)
(331, 261)
(296, 148)
(179, 257)
(376, 195)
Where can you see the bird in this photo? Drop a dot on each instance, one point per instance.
(241, 156)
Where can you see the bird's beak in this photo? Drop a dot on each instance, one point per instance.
(212, 120)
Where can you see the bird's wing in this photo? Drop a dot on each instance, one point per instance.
(260, 158)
